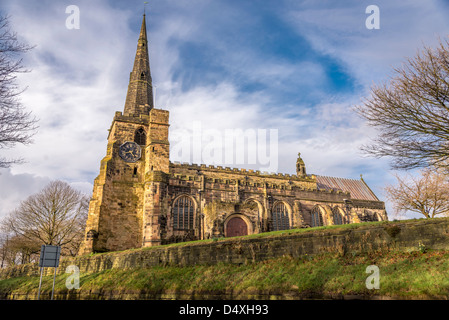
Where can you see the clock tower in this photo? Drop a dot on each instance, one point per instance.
(141, 199)
(125, 208)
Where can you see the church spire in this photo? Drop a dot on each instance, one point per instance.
(139, 99)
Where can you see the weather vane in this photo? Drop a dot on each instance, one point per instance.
(144, 6)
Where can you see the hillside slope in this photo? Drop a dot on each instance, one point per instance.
(330, 262)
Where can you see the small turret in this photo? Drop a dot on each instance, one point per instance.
(300, 167)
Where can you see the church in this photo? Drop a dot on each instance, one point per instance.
(141, 199)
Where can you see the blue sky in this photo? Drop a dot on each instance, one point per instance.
(295, 66)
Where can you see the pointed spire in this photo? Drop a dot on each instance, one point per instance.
(139, 99)
(143, 30)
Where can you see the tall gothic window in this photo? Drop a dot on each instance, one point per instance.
(140, 137)
(183, 209)
(317, 217)
(337, 216)
(280, 217)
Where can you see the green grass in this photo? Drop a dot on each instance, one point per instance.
(404, 275)
(264, 235)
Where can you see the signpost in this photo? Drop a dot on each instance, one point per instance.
(49, 258)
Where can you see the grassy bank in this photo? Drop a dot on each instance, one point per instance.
(272, 234)
(408, 275)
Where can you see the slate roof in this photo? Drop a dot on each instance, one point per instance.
(358, 188)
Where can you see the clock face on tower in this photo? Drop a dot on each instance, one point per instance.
(130, 151)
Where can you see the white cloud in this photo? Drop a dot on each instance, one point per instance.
(15, 188)
(329, 139)
(369, 55)
(79, 80)
(75, 86)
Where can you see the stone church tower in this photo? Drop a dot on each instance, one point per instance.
(125, 205)
(142, 199)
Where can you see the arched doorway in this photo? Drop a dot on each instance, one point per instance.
(235, 227)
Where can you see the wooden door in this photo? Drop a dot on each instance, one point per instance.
(236, 227)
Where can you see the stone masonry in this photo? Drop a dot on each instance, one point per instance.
(350, 239)
(141, 199)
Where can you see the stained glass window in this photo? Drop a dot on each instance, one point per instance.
(183, 213)
(280, 217)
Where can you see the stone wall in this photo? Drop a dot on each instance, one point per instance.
(220, 192)
(347, 239)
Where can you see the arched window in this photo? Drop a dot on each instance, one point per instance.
(280, 217)
(369, 216)
(140, 137)
(337, 216)
(317, 217)
(183, 209)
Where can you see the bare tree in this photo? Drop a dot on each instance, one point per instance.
(4, 250)
(16, 124)
(427, 194)
(412, 112)
(54, 216)
(18, 250)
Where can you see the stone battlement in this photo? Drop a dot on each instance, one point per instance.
(221, 169)
(232, 176)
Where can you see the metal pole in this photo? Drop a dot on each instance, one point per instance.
(53, 289)
(40, 282)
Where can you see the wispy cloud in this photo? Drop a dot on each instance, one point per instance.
(369, 55)
(297, 67)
